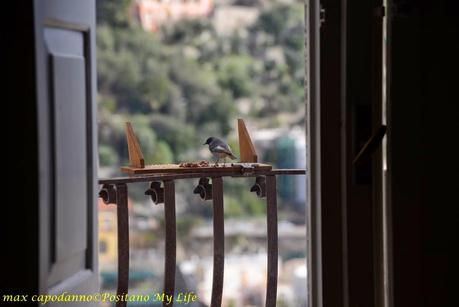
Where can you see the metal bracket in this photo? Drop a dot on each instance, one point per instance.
(156, 192)
(108, 194)
(322, 15)
(247, 169)
(259, 187)
(204, 189)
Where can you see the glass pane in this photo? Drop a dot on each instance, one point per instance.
(183, 71)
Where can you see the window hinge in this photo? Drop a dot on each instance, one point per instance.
(322, 15)
(380, 11)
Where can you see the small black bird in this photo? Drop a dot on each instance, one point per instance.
(219, 149)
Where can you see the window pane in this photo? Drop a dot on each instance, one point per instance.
(183, 71)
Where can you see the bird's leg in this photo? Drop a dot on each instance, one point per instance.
(216, 163)
(224, 163)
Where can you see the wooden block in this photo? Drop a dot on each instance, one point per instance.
(135, 154)
(246, 149)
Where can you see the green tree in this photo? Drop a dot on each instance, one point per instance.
(185, 31)
(113, 12)
(279, 18)
(107, 156)
(162, 153)
(178, 135)
(234, 73)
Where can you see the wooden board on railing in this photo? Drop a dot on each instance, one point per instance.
(230, 168)
(246, 148)
(135, 153)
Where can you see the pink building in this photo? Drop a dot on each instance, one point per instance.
(153, 13)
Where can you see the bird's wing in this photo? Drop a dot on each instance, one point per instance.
(222, 149)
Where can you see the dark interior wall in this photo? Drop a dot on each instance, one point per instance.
(423, 151)
(19, 217)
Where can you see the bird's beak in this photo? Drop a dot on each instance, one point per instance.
(204, 144)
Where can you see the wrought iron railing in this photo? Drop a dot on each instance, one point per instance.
(210, 187)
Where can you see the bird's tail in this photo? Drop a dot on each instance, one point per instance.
(233, 157)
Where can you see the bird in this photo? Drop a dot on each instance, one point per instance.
(219, 149)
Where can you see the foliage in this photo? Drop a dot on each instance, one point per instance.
(179, 136)
(185, 223)
(239, 201)
(234, 73)
(107, 156)
(162, 154)
(113, 12)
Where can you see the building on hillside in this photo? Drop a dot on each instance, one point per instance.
(108, 235)
(287, 148)
(151, 14)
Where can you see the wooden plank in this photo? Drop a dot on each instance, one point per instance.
(135, 154)
(246, 149)
(234, 168)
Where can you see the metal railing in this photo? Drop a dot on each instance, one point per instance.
(210, 187)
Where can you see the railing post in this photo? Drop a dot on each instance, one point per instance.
(271, 214)
(166, 195)
(115, 191)
(170, 260)
(123, 241)
(118, 194)
(266, 186)
(219, 242)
